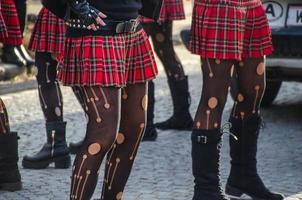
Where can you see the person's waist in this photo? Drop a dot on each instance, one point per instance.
(237, 3)
(75, 27)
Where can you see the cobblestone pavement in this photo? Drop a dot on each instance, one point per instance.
(162, 170)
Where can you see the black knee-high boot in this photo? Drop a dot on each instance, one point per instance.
(54, 151)
(150, 133)
(206, 146)
(181, 118)
(243, 178)
(10, 178)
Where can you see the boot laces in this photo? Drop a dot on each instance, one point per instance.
(226, 129)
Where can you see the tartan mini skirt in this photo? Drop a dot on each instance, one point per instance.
(11, 21)
(108, 60)
(171, 10)
(3, 31)
(48, 34)
(230, 29)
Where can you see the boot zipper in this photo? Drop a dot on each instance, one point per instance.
(53, 142)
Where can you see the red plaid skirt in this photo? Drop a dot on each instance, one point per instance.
(3, 30)
(171, 10)
(48, 34)
(108, 60)
(11, 20)
(230, 29)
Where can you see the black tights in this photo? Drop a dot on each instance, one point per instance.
(216, 82)
(161, 35)
(116, 123)
(4, 123)
(49, 89)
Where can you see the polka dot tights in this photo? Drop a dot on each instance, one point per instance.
(115, 126)
(216, 82)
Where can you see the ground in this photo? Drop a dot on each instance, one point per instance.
(162, 170)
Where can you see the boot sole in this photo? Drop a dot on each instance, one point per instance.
(11, 187)
(235, 193)
(62, 162)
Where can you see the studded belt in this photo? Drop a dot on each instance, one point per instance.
(115, 27)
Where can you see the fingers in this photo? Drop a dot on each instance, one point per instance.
(100, 21)
(102, 15)
(93, 27)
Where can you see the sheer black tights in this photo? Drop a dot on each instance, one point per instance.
(216, 82)
(49, 90)
(161, 35)
(106, 109)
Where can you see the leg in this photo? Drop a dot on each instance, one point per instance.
(206, 135)
(246, 123)
(55, 149)
(49, 90)
(102, 127)
(178, 83)
(121, 157)
(10, 178)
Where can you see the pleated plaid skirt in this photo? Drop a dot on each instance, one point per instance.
(48, 34)
(108, 60)
(11, 21)
(3, 31)
(230, 29)
(171, 10)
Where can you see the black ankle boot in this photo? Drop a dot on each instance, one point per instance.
(181, 118)
(206, 146)
(23, 52)
(11, 55)
(185, 37)
(243, 178)
(150, 132)
(74, 147)
(54, 151)
(10, 178)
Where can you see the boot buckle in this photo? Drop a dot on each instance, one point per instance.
(202, 139)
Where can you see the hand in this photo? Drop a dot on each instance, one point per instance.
(90, 16)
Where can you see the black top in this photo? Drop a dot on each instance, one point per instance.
(118, 9)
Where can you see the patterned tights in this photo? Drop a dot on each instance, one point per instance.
(49, 90)
(216, 82)
(115, 126)
(161, 35)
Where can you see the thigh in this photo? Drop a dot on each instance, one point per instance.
(134, 103)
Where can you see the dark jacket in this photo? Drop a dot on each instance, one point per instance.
(150, 9)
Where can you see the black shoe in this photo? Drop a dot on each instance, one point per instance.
(74, 147)
(181, 118)
(11, 55)
(10, 178)
(54, 151)
(185, 37)
(244, 178)
(30, 63)
(150, 133)
(206, 146)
